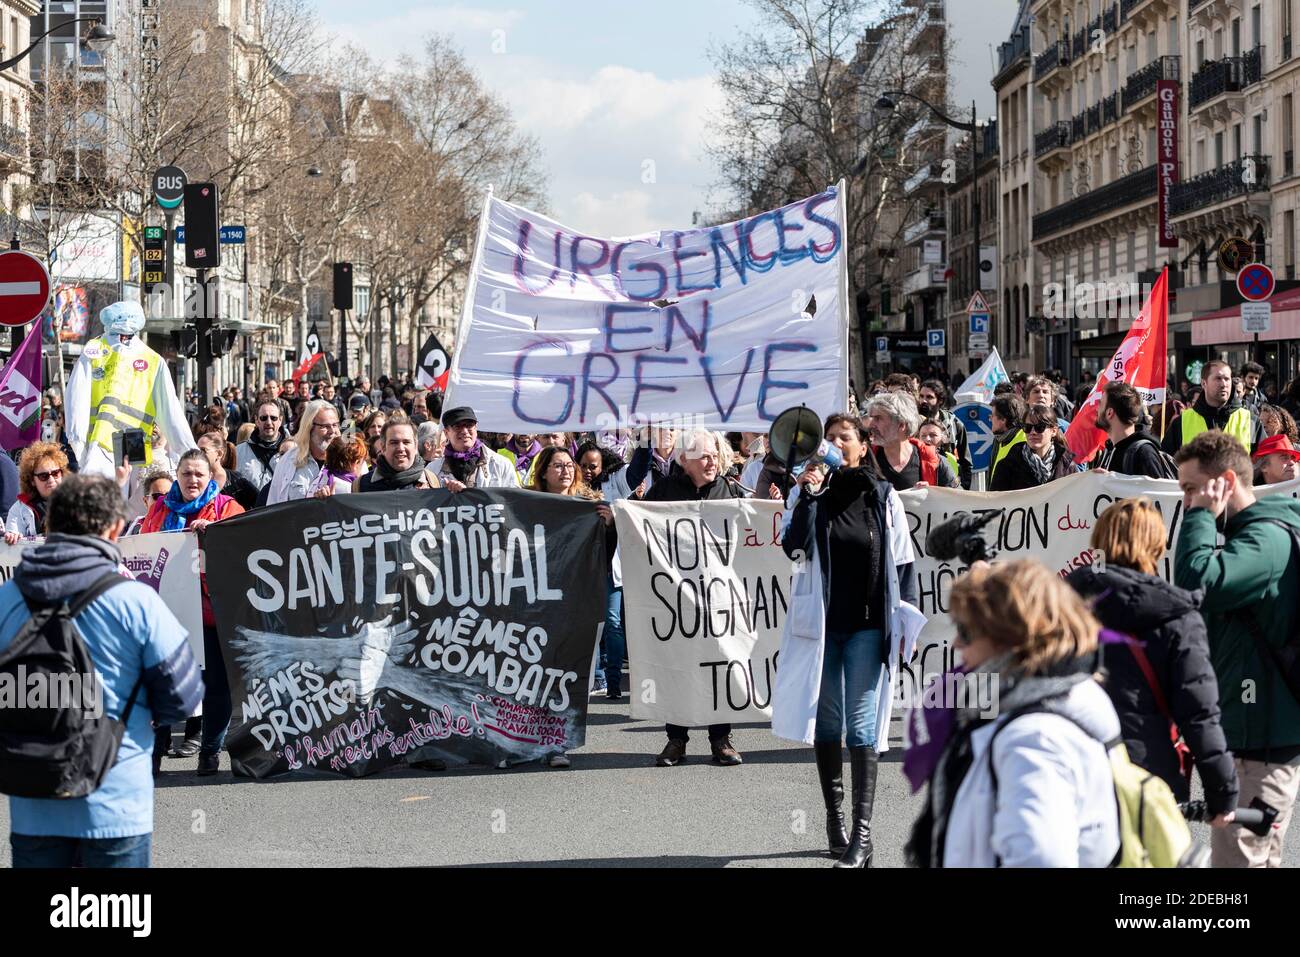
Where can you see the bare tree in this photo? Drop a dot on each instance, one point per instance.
(798, 116)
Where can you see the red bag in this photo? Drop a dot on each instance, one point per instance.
(1185, 759)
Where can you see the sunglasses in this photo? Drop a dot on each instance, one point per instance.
(46, 476)
(154, 496)
(268, 418)
(1039, 427)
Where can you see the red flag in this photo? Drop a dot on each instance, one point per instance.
(1140, 361)
(305, 366)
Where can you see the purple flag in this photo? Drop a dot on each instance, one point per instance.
(20, 394)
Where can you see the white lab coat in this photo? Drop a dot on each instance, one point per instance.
(1056, 793)
(169, 411)
(799, 677)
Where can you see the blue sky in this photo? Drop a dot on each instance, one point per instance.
(617, 92)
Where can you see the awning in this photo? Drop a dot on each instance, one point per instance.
(1223, 326)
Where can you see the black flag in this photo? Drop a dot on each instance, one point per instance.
(312, 345)
(433, 365)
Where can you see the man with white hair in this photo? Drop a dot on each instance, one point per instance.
(119, 384)
(892, 422)
(429, 439)
(296, 469)
(702, 478)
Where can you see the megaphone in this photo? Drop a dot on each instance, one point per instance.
(796, 437)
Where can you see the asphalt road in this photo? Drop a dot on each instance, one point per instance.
(613, 807)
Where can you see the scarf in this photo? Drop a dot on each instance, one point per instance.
(328, 478)
(179, 512)
(385, 478)
(38, 506)
(1044, 467)
(263, 450)
(462, 464)
(524, 459)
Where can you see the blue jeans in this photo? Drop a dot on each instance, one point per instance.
(44, 851)
(614, 640)
(853, 670)
(217, 707)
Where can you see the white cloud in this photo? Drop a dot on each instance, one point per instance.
(623, 148)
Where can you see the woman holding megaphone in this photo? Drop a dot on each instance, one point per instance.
(854, 577)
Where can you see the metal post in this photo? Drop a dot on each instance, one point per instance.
(343, 343)
(975, 198)
(202, 325)
(169, 260)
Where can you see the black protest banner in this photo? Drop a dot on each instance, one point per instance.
(366, 631)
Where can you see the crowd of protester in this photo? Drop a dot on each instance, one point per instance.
(1170, 678)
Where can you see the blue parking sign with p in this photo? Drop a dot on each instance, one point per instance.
(979, 322)
(935, 338)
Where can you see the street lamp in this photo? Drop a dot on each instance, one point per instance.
(887, 103)
(97, 39)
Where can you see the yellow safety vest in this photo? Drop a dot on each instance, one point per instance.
(952, 461)
(121, 394)
(1193, 424)
(1003, 450)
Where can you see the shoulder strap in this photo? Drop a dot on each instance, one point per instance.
(1149, 673)
(108, 581)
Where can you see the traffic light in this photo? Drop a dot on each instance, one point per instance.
(186, 342)
(221, 341)
(343, 286)
(202, 226)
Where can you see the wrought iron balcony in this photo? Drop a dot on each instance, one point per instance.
(1193, 4)
(1246, 175)
(1079, 44)
(1143, 83)
(1078, 127)
(1229, 75)
(1110, 19)
(1126, 7)
(1135, 188)
(1057, 54)
(1055, 137)
(1094, 118)
(1110, 109)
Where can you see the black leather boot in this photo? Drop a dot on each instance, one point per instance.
(830, 771)
(863, 763)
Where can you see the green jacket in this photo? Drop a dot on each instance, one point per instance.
(1252, 571)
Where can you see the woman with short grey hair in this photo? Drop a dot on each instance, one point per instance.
(892, 421)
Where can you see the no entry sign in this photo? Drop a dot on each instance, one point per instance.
(24, 287)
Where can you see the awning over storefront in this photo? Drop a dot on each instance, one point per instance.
(1223, 326)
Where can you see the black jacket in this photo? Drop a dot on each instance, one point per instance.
(960, 445)
(810, 522)
(680, 488)
(1016, 472)
(1215, 419)
(1168, 622)
(1139, 454)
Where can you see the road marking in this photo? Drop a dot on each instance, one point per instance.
(415, 797)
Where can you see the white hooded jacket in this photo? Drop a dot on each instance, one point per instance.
(1055, 802)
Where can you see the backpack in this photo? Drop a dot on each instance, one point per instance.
(1152, 829)
(53, 751)
(1168, 468)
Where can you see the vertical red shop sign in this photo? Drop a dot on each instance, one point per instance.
(1166, 157)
